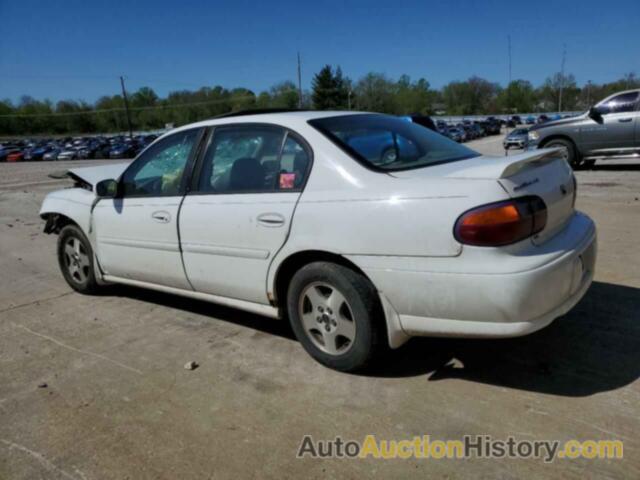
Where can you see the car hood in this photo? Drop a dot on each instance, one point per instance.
(562, 121)
(93, 175)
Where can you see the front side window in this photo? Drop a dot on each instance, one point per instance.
(252, 159)
(389, 143)
(625, 102)
(159, 170)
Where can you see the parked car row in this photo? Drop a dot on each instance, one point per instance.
(73, 148)
(470, 130)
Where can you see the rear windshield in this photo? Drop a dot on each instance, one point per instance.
(388, 143)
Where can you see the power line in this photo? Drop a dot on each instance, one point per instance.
(132, 109)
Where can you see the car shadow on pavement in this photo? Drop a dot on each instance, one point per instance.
(594, 348)
(615, 167)
(215, 311)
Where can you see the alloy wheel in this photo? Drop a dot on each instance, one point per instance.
(327, 318)
(76, 260)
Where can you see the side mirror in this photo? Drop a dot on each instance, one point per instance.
(107, 188)
(595, 114)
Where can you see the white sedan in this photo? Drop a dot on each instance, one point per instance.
(362, 229)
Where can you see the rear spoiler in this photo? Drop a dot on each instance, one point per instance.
(534, 158)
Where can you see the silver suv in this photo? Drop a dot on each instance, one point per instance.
(609, 129)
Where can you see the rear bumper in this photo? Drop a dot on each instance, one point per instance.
(498, 303)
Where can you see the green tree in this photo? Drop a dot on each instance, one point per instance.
(413, 97)
(284, 95)
(471, 97)
(519, 96)
(375, 93)
(549, 93)
(330, 90)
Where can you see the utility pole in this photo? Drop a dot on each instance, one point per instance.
(509, 84)
(299, 83)
(349, 98)
(126, 106)
(589, 93)
(564, 57)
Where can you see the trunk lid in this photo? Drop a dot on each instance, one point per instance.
(553, 182)
(541, 172)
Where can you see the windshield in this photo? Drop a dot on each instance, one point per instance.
(388, 143)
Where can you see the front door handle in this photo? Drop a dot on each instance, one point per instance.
(625, 120)
(161, 216)
(271, 219)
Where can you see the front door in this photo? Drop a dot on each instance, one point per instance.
(614, 134)
(239, 212)
(137, 232)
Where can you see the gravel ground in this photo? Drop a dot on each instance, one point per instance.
(119, 404)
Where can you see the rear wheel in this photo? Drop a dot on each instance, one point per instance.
(75, 257)
(335, 314)
(567, 151)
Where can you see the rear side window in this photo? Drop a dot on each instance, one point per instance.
(253, 159)
(388, 143)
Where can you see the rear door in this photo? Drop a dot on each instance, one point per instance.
(239, 211)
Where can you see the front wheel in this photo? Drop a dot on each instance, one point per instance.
(335, 314)
(75, 257)
(567, 151)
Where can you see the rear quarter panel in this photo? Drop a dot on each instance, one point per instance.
(348, 209)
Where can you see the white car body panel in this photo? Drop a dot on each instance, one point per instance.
(395, 227)
(229, 241)
(137, 238)
(73, 203)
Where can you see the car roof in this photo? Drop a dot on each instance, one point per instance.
(284, 118)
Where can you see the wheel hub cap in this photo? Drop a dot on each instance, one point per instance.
(76, 260)
(327, 318)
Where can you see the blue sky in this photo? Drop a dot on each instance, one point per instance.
(77, 49)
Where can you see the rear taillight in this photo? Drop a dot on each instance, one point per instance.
(501, 223)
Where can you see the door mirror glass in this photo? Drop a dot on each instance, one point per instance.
(107, 188)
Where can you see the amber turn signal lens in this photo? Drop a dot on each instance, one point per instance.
(501, 223)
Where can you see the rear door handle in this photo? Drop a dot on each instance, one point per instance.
(271, 220)
(161, 216)
(625, 120)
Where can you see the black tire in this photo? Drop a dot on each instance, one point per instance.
(589, 163)
(77, 271)
(573, 158)
(362, 304)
